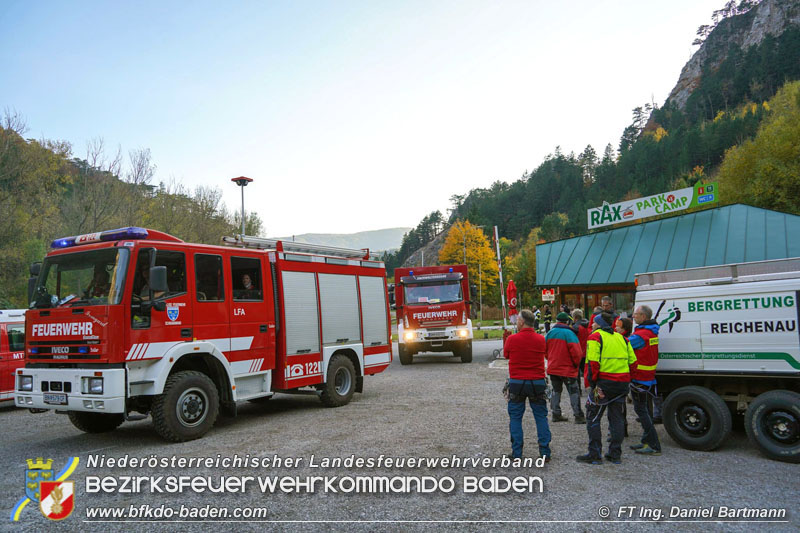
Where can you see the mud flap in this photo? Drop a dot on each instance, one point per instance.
(228, 408)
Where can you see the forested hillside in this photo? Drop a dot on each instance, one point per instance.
(46, 191)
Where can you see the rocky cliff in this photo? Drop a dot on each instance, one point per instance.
(770, 17)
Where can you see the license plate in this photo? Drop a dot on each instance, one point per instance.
(55, 399)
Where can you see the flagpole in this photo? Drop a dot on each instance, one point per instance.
(500, 271)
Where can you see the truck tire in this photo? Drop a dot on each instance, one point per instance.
(696, 418)
(187, 408)
(340, 383)
(465, 351)
(406, 358)
(772, 422)
(95, 422)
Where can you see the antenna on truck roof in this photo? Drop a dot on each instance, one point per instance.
(300, 247)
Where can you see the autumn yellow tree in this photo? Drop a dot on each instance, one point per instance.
(765, 171)
(465, 238)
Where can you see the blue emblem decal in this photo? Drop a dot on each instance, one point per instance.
(172, 312)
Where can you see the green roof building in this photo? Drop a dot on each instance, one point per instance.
(586, 268)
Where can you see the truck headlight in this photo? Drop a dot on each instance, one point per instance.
(463, 333)
(93, 385)
(409, 335)
(26, 383)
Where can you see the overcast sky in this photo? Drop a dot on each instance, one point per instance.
(349, 116)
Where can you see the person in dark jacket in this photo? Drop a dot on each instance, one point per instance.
(563, 358)
(547, 317)
(582, 329)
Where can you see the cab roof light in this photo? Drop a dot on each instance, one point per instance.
(104, 236)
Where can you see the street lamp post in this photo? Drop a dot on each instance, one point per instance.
(242, 182)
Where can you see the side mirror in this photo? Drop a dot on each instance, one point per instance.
(158, 279)
(31, 287)
(35, 268)
(473, 292)
(159, 305)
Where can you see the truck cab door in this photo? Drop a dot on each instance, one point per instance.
(154, 331)
(252, 314)
(211, 301)
(13, 355)
(6, 385)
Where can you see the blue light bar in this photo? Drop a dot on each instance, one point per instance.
(410, 272)
(110, 235)
(83, 349)
(34, 350)
(451, 269)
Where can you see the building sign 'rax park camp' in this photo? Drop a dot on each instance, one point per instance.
(658, 204)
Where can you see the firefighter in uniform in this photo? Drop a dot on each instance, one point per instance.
(644, 341)
(525, 352)
(609, 357)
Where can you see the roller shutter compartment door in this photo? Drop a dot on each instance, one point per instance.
(339, 303)
(300, 309)
(373, 310)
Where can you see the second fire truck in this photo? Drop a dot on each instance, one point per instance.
(433, 311)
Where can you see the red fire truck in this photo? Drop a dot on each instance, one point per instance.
(433, 306)
(137, 321)
(12, 346)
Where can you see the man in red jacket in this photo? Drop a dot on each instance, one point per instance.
(525, 352)
(563, 358)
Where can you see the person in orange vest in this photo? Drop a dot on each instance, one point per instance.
(644, 341)
(609, 357)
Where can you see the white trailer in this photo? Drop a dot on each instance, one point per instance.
(729, 345)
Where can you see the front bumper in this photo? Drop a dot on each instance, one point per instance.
(70, 382)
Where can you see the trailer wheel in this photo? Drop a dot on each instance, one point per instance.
(406, 358)
(465, 351)
(188, 407)
(340, 383)
(95, 422)
(772, 422)
(697, 418)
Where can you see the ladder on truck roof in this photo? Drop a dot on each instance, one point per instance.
(262, 243)
(773, 269)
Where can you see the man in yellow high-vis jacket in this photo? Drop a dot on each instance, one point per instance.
(609, 357)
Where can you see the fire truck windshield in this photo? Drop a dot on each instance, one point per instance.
(95, 277)
(433, 293)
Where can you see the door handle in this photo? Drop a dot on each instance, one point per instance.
(262, 328)
(186, 332)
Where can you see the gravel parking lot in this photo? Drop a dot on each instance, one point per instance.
(435, 408)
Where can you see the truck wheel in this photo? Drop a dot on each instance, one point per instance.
(406, 358)
(465, 351)
(340, 383)
(95, 422)
(187, 408)
(772, 422)
(697, 418)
